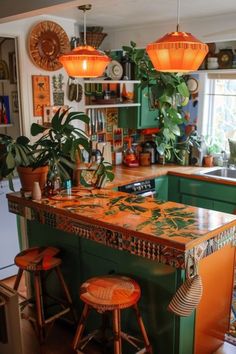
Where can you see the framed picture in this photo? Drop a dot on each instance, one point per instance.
(14, 102)
(47, 115)
(49, 112)
(4, 110)
(12, 67)
(41, 94)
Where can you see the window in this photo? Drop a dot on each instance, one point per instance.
(220, 108)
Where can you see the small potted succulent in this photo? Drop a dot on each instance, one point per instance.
(211, 148)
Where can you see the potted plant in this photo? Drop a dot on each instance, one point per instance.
(168, 93)
(60, 147)
(183, 147)
(211, 148)
(55, 151)
(15, 154)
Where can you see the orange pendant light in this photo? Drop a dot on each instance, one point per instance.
(84, 60)
(177, 51)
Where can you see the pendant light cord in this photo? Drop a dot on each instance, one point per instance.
(178, 15)
(85, 27)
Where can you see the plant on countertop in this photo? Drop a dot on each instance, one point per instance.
(14, 153)
(212, 145)
(57, 147)
(168, 93)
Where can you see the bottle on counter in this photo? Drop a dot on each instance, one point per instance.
(130, 159)
(150, 146)
(36, 192)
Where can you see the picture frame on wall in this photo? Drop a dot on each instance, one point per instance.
(49, 112)
(14, 102)
(4, 110)
(47, 115)
(41, 94)
(12, 68)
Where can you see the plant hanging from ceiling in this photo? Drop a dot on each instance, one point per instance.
(168, 93)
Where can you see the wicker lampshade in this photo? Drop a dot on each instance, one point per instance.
(177, 52)
(85, 61)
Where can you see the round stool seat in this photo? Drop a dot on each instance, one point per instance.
(38, 258)
(110, 292)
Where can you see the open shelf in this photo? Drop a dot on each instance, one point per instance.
(5, 125)
(97, 81)
(112, 105)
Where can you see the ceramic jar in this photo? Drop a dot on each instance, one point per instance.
(36, 193)
(212, 63)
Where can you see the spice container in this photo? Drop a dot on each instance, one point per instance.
(145, 159)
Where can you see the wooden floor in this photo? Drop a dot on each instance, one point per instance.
(60, 338)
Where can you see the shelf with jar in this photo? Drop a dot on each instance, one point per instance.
(221, 56)
(110, 93)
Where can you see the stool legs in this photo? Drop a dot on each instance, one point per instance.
(142, 329)
(18, 279)
(81, 326)
(117, 332)
(66, 291)
(39, 306)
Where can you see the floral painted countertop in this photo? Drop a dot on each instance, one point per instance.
(124, 216)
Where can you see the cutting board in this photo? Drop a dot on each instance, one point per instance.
(106, 149)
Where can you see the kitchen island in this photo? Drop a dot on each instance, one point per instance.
(150, 241)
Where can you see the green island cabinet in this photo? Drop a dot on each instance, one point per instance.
(83, 259)
(203, 194)
(161, 188)
(139, 117)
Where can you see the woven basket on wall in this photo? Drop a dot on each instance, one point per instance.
(94, 38)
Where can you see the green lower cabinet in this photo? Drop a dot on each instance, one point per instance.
(196, 201)
(43, 235)
(158, 282)
(202, 194)
(82, 259)
(161, 187)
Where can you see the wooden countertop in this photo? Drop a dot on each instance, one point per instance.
(144, 226)
(125, 175)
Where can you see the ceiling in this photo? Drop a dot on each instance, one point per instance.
(124, 13)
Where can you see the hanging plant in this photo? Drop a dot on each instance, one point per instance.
(168, 93)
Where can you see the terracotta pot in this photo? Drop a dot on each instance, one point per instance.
(208, 160)
(28, 176)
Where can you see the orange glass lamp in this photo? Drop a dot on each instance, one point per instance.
(177, 51)
(84, 60)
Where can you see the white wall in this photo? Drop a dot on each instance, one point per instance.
(20, 29)
(208, 29)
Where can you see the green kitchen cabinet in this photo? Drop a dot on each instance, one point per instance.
(161, 187)
(82, 259)
(203, 194)
(139, 117)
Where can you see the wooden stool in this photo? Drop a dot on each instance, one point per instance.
(111, 293)
(38, 261)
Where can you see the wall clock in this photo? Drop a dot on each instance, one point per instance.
(225, 58)
(46, 42)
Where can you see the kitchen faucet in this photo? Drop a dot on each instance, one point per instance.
(224, 158)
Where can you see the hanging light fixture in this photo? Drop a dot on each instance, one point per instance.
(177, 51)
(84, 60)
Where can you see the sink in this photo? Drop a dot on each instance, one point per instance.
(226, 173)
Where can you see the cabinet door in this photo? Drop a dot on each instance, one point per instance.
(197, 201)
(138, 117)
(225, 207)
(161, 187)
(148, 115)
